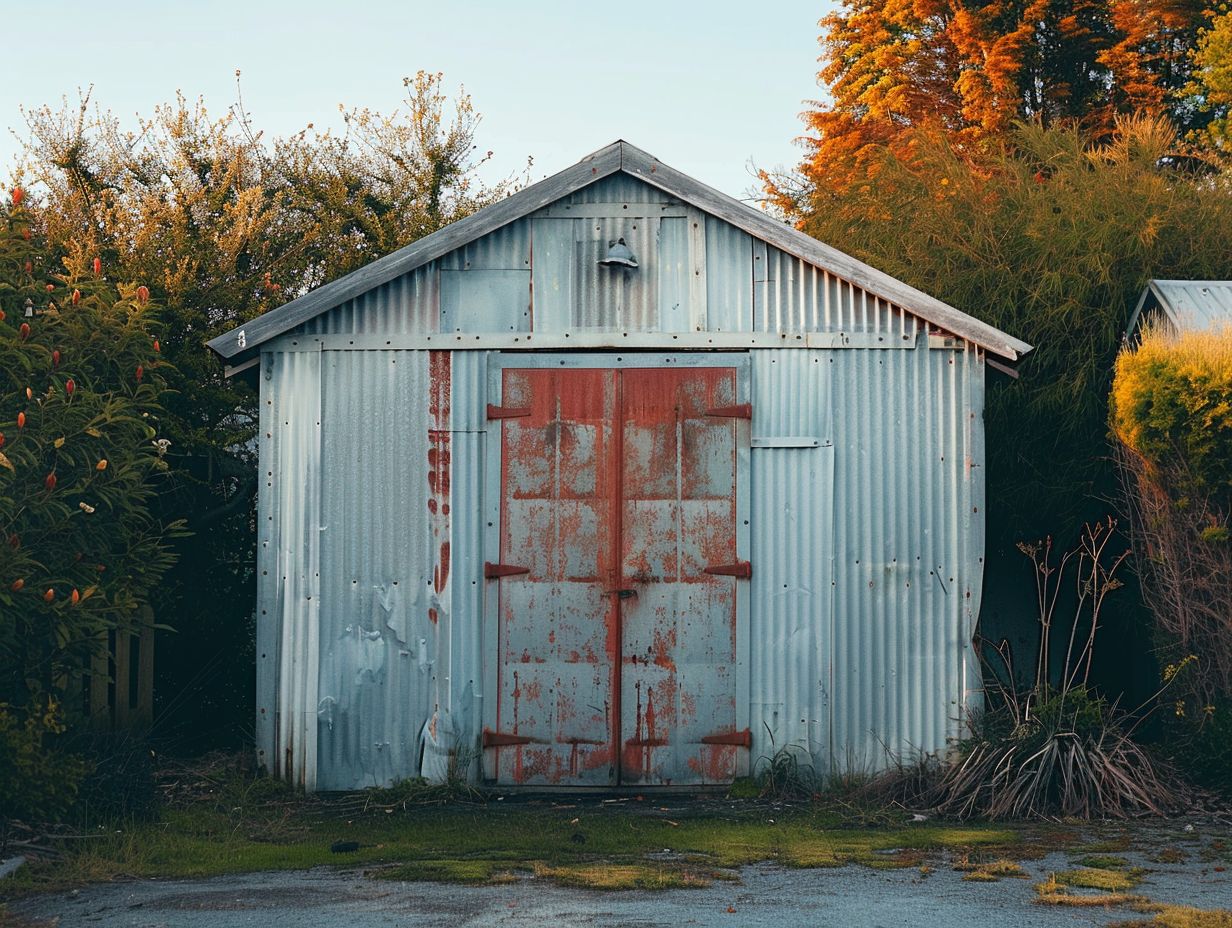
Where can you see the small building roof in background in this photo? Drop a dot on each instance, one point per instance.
(1185, 305)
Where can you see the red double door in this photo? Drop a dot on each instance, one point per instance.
(618, 577)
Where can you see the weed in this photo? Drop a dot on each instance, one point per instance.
(624, 876)
(1171, 855)
(1101, 862)
(1111, 845)
(1094, 878)
(1094, 900)
(787, 774)
(994, 871)
(447, 871)
(744, 788)
(1179, 916)
(1058, 747)
(1109, 889)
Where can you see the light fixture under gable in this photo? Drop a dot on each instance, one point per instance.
(618, 255)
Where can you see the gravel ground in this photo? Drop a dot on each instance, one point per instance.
(767, 895)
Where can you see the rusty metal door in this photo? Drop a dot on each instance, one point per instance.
(616, 582)
(679, 571)
(558, 620)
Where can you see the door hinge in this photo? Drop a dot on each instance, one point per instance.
(743, 739)
(739, 569)
(498, 739)
(493, 571)
(739, 411)
(507, 412)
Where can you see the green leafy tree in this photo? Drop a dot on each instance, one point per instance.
(225, 223)
(1050, 236)
(1212, 79)
(82, 548)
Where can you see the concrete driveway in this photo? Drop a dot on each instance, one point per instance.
(766, 895)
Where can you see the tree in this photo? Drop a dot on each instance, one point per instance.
(81, 462)
(1051, 236)
(224, 224)
(1212, 80)
(973, 70)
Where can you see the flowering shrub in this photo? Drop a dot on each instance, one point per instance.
(80, 383)
(1172, 406)
(1171, 414)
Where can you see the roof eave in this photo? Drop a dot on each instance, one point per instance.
(256, 331)
(244, 340)
(649, 169)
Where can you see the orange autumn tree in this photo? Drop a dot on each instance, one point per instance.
(973, 69)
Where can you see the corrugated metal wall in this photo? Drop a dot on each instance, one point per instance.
(866, 506)
(288, 558)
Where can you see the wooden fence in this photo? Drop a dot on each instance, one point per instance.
(119, 690)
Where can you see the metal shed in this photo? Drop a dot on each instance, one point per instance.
(1183, 305)
(540, 508)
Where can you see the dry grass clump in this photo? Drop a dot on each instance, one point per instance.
(1102, 879)
(993, 871)
(1179, 916)
(624, 876)
(1058, 747)
(1053, 891)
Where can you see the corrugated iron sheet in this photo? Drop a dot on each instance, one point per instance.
(620, 188)
(380, 604)
(406, 305)
(908, 567)
(866, 545)
(288, 558)
(749, 285)
(1189, 305)
(729, 277)
(865, 504)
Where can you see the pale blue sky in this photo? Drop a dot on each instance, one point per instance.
(705, 87)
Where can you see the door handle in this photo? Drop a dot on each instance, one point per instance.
(623, 594)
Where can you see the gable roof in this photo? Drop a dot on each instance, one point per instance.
(1188, 305)
(617, 157)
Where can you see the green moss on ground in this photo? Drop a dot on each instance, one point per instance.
(478, 843)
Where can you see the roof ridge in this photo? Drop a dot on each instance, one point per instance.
(619, 156)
